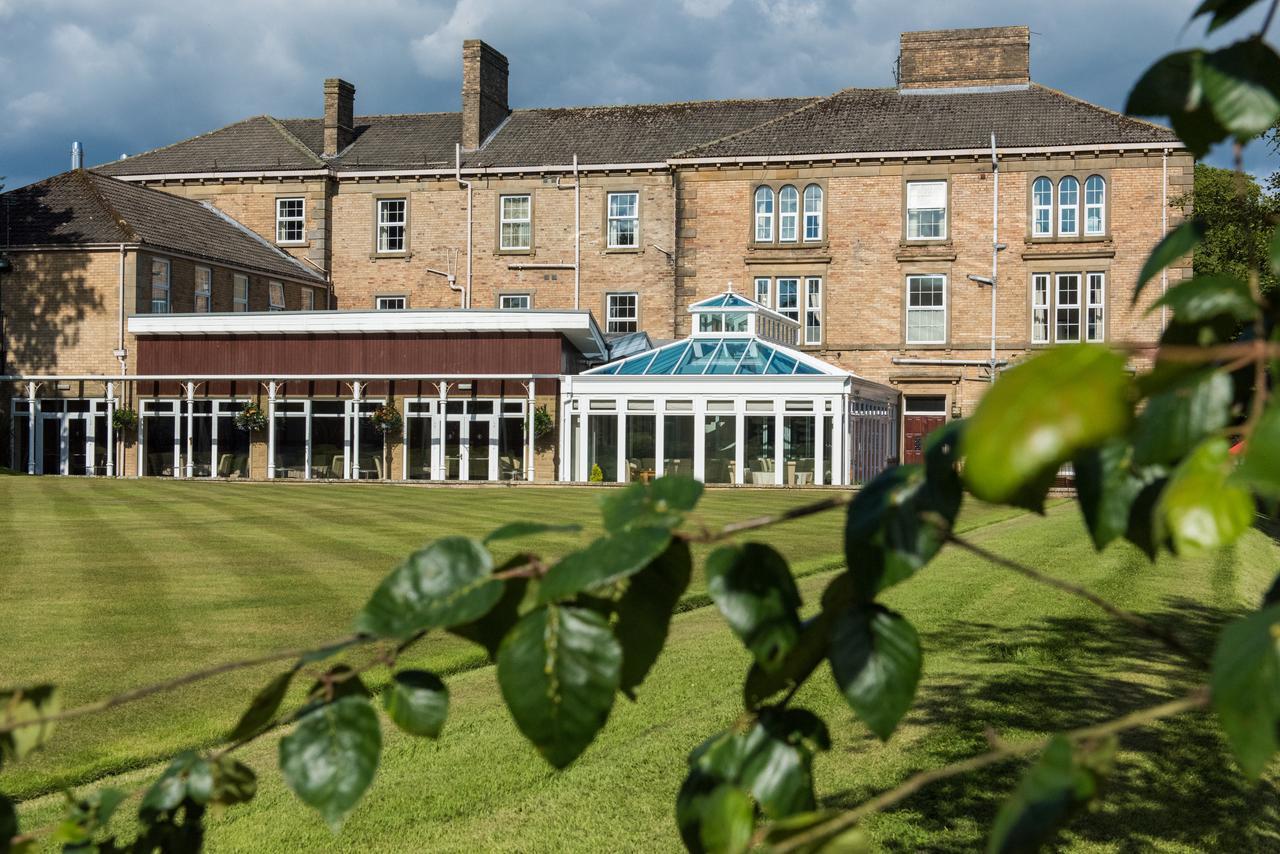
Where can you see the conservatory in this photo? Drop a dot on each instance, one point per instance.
(735, 403)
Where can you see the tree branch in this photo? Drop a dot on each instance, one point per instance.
(715, 535)
(1169, 639)
(1197, 699)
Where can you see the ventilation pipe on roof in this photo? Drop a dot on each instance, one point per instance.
(457, 153)
(77, 156)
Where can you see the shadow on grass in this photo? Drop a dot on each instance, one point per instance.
(1174, 786)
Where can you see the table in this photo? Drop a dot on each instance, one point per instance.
(646, 475)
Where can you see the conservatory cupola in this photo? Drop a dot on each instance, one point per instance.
(730, 314)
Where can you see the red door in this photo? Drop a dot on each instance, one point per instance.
(916, 429)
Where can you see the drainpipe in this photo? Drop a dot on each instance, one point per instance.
(457, 152)
(1164, 229)
(995, 246)
(120, 353)
(577, 234)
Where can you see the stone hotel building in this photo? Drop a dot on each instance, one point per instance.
(778, 291)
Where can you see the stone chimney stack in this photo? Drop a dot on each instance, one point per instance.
(339, 115)
(484, 92)
(945, 59)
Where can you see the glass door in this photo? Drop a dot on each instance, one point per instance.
(50, 443)
(480, 448)
(454, 448)
(77, 443)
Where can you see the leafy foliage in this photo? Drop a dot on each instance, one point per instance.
(1061, 782)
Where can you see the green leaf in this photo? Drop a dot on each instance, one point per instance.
(896, 524)
(558, 670)
(876, 661)
(728, 820)
(21, 705)
(417, 701)
(448, 583)
(661, 504)
(188, 776)
(489, 630)
(1240, 83)
(1108, 488)
(1040, 414)
(1199, 510)
(849, 841)
(262, 709)
(752, 586)
(1173, 246)
(1259, 469)
(1206, 297)
(233, 782)
(1245, 685)
(645, 610)
(1222, 11)
(1175, 420)
(605, 561)
(796, 667)
(1050, 792)
(1171, 87)
(524, 530)
(330, 757)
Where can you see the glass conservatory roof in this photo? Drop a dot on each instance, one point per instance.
(714, 357)
(728, 299)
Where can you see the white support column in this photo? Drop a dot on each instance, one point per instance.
(620, 455)
(437, 433)
(779, 452)
(565, 437)
(356, 388)
(31, 428)
(819, 428)
(840, 442)
(700, 438)
(529, 418)
(271, 429)
(739, 442)
(190, 467)
(583, 418)
(111, 430)
(659, 438)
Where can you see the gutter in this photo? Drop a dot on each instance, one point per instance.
(980, 363)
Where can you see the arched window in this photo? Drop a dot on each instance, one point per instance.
(1095, 203)
(788, 214)
(764, 215)
(813, 212)
(1041, 207)
(1068, 206)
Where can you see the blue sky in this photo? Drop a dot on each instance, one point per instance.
(124, 82)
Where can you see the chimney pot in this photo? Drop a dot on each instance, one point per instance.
(484, 92)
(987, 56)
(339, 115)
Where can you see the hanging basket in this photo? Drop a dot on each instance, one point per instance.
(386, 419)
(251, 419)
(125, 420)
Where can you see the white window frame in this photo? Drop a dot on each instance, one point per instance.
(1037, 209)
(792, 311)
(161, 286)
(274, 289)
(204, 293)
(504, 299)
(615, 319)
(619, 219)
(926, 309)
(286, 221)
(1073, 207)
(238, 302)
(813, 216)
(390, 228)
(764, 295)
(762, 204)
(1095, 330)
(946, 189)
(1059, 307)
(1100, 206)
(308, 299)
(788, 214)
(388, 302)
(515, 221)
(1041, 288)
(813, 310)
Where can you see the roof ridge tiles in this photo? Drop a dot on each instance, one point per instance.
(90, 187)
(692, 103)
(813, 103)
(235, 223)
(294, 141)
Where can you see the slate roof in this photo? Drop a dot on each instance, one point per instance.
(79, 207)
(872, 120)
(847, 122)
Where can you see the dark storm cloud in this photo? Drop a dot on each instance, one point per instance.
(162, 71)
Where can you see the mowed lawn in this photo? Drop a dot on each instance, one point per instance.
(109, 585)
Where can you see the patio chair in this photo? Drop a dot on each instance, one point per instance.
(336, 466)
(225, 463)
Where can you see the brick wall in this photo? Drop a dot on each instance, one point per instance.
(182, 274)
